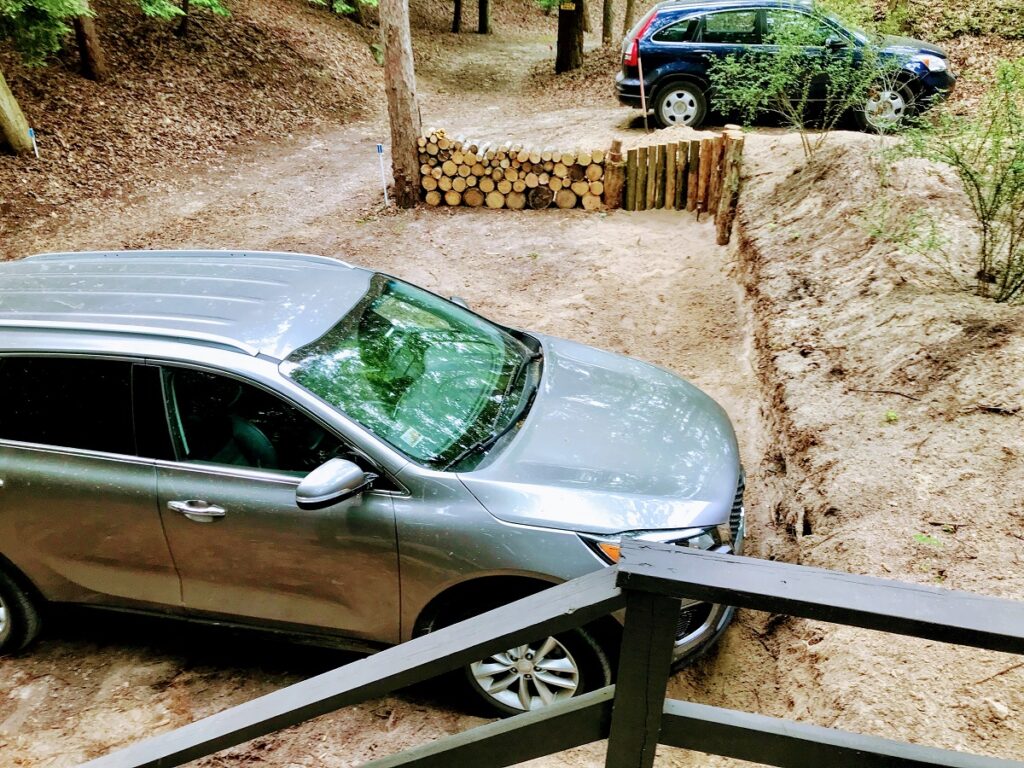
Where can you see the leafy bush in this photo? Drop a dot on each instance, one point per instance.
(811, 78)
(37, 27)
(986, 150)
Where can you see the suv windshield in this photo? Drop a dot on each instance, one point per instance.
(432, 379)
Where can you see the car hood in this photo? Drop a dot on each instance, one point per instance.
(909, 46)
(612, 444)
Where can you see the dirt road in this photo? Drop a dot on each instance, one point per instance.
(652, 285)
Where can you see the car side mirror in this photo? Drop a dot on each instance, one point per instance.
(460, 301)
(835, 43)
(330, 483)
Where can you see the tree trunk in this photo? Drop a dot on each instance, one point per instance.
(607, 19)
(483, 26)
(403, 111)
(627, 22)
(457, 17)
(585, 13)
(13, 125)
(90, 52)
(182, 29)
(569, 54)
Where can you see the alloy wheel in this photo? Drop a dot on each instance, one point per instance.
(529, 677)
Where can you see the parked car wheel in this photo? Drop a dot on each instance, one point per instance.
(535, 675)
(886, 108)
(680, 102)
(19, 619)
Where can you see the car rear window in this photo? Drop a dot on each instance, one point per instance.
(67, 402)
(680, 32)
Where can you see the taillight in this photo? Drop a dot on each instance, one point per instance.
(632, 56)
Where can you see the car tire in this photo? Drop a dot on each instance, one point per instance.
(19, 618)
(554, 669)
(680, 102)
(886, 108)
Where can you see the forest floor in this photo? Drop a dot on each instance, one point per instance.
(784, 328)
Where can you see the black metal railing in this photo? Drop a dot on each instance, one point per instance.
(633, 714)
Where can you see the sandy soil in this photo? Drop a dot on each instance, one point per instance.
(832, 324)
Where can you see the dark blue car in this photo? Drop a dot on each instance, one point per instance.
(675, 43)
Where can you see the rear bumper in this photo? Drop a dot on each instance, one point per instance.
(627, 88)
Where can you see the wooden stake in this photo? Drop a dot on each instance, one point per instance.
(682, 164)
(670, 176)
(715, 185)
(641, 179)
(661, 167)
(614, 176)
(652, 177)
(730, 187)
(693, 174)
(631, 176)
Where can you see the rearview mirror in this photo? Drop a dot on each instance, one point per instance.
(330, 483)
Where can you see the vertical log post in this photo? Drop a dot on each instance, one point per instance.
(693, 174)
(641, 179)
(715, 185)
(614, 176)
(652, 178)
(730, 186)
(631, 177)
(670, 175)
(703, 182)
(403, 111)
(659, 176)
(644, 666)
(483, 24)
(90, 51)
(13, 125)
(681, 167)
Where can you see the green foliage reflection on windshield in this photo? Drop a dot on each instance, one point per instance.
(425, 375)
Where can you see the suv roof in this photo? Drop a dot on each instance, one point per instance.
(251, 301)
(670, 5)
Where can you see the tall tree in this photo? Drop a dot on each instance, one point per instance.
(90, 51)
(627, 21)
(569, 51)
(13, 125)
(607, 19)
(457, 17)
(483, 24)
(403, 111)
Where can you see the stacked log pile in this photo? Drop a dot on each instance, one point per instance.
(459, 171)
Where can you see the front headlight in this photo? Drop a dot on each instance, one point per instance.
(932, 62)
(608, 547)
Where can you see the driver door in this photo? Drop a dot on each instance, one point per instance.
(243, 548)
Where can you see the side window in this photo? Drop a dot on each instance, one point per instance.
(67, 402)
(732, 27)
(781, 24)
(680, 32)
(219, 420)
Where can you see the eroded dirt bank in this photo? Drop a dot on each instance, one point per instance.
(896, 405)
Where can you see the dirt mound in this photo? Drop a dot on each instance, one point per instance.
(898, 409)
(274, 67)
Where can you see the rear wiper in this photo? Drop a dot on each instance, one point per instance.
(496, 434)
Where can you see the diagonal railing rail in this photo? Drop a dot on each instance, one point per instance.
(633, 714)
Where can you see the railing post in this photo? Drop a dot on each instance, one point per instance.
(644, 666)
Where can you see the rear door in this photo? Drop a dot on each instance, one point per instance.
(728, 33)
(243, 547)
(78, 507)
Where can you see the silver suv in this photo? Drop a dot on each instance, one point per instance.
(293, 443)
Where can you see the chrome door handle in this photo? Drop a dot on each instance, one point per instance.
(197, 510)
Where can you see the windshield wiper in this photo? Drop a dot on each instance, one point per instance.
(496, 434)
